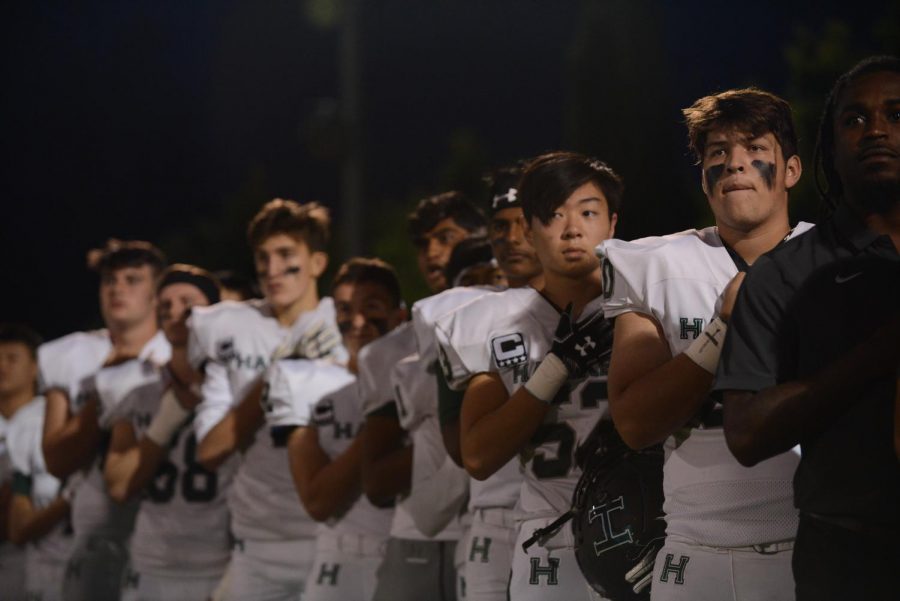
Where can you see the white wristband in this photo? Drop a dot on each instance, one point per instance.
(167, 420)
(548, 378)
(706, 349)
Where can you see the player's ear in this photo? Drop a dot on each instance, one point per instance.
(613, 220)
(703, 181)
(318, 261)
(793, 168)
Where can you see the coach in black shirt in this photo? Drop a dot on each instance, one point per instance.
(811, 354)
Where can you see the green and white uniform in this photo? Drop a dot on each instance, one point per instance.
(509, 333)
(234, 342)
(725, 523)
(349, 547)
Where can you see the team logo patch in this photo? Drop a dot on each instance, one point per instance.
(225, 350)
(509, 350)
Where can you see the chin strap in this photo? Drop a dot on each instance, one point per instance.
(542, 535)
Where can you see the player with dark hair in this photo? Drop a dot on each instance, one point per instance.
(506, 229)
(235, 286)
(436, 226)
(531, 364)
(73, 439)
(492, 533)
(181, 544)
(233, 343)
(37, 514)
(812, 351)
(389, 369)
(728, 529)
(472, 263)
(317, 407)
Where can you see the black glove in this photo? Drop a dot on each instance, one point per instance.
(584, 345)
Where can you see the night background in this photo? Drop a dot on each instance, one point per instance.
(175, 121)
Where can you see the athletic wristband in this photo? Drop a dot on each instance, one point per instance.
(167, 420)
(548, 378)
(706, 349)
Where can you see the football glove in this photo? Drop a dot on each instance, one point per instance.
(584, 345)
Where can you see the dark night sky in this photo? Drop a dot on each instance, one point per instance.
(155, 120)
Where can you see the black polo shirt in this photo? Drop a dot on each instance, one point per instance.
(802, 306)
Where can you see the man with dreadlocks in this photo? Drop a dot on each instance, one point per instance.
(814, 345)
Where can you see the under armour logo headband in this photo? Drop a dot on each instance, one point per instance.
(504, 201)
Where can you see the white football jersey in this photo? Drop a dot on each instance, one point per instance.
(509, 333)
(326, 397)
(415, 392)
(64, 363)
(23, 440)
(375, 362)
(235, 343)
(93, 511)
(114, 384)
(427, 312)
(709, 497)
(503, 487)
(183, 523)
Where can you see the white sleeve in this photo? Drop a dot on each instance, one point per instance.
(415, 392)
(440, 486)
(371, 383)
(624, 277)
(119, 412)
(284, 400)
(456, 373)
(23, 444)
(464, 350)
(217, 399)
(199, 349)
(51, 374)
(114, 384)
(424, 332)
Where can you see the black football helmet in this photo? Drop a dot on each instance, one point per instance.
(617, 515)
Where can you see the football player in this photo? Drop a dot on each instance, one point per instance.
(506, 230)
(530, 361)
(38, 515)
(316, 404)
(439, 485)
(492, 533)
(234, 343)
(181, 542)
(812, 350)
(72, 437)
(729, 529)
(436, 226)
